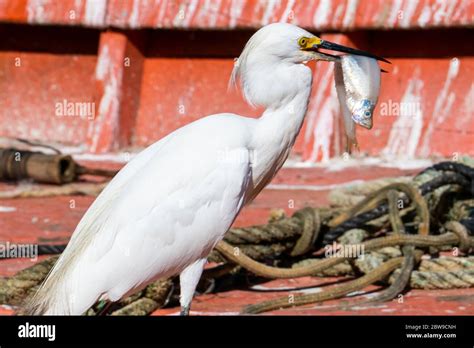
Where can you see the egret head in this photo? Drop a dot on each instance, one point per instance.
(271, 66)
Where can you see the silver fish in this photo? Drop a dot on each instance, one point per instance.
(349, 124)
(358, 85)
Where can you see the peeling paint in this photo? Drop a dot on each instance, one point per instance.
(322, 13)
(442, 107)
(337, 15)
(268, 13)
(7, 209)
(394, 12)
(325, 128)
(425, 16)
(36, 12)
(350, 14)
(452, 114)
(178, 19)
(467, 110)
(224, 14)
(209, 13)
(236, 8)
(440, 13)
(162, 12)
(103, 63)
(406, 130)
(134, 18)
(95, 11)
(408, 12)
(322, 83)
(109, 104)
(288, 10)
(450, 10)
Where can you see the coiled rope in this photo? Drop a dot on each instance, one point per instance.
(310, 229)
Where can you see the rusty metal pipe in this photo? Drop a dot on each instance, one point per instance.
(52, 169)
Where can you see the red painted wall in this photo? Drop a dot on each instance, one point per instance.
(144, 81)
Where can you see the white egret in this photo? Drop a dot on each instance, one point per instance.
(163, 213)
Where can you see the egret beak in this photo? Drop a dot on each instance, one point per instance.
(317, 43)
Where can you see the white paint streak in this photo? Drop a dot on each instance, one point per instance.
(4, 209)
(355, 293)
(185, 14)
(450, 11)
(109, 105)
(236, 8)
(394, 13)
(134, 18)
(190, 13)
(336, 16)
(103, 62)
(463, 14)
(443, 105)
(161, 14)
(350, 15)
(110, 100)
(215, 8)
(406, 130)
(425, 16)
(467, 111)
(408, 12)
(95, 12)
(324, 129)
(440, 14)
(312, 290)
(322, 13)
(286, 14)
(209, 12)
(268, 13)
(77, 7)
(323, 83)
(180, 15)
(36, 12)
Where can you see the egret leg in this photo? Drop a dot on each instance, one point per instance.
(189, 279)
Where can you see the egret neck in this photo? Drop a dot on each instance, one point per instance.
(276, 130)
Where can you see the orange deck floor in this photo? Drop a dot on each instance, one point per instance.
(52, 220)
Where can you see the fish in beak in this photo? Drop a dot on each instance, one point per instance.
(357, 78)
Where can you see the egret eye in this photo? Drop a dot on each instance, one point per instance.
(302, 42)
(367, 113)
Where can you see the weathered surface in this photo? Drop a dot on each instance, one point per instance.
(53, 219)
(141, 85)
(223, 14)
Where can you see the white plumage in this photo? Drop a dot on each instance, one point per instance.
(167, 208)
